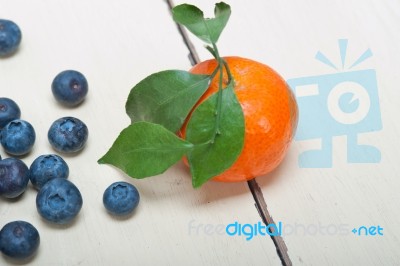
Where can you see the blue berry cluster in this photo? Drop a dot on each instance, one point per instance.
(17, 136)
(58, 200)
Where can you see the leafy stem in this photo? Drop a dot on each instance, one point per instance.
(161, 103)
(219, 101)
(221, 65)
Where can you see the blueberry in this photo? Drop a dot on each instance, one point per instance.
(10, 37)
(17, 137)
(69, 87)
(9, 111)
(68, 134)
(59, 201)
(14, 177)
(121, 198)
(46, 167)
(19, 239)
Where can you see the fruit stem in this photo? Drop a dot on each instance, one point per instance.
(219, 102)
(217, 57)
(214, 73)
(221, 65)
(228, 71)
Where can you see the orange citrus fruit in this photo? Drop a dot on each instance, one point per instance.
(270, 113)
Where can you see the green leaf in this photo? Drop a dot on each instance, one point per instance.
(144, 149)
(207, 29)
(166, 97)
(210, 158)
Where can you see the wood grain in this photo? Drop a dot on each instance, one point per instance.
(116, 44)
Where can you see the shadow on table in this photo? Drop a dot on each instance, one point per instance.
(176, 183)
(275, 176)
(24, 261)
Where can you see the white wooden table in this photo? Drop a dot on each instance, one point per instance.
(118, 43)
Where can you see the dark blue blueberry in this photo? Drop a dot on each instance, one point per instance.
(9, 111)
(69, 87)
(10, 37)
(17, 137)
(59, 201)
(68, 134)
(14, 177)
(19, 239)
(47, 167)
(121, 198)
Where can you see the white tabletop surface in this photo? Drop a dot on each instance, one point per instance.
(118, 43)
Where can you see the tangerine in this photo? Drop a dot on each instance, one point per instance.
(270, 112)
